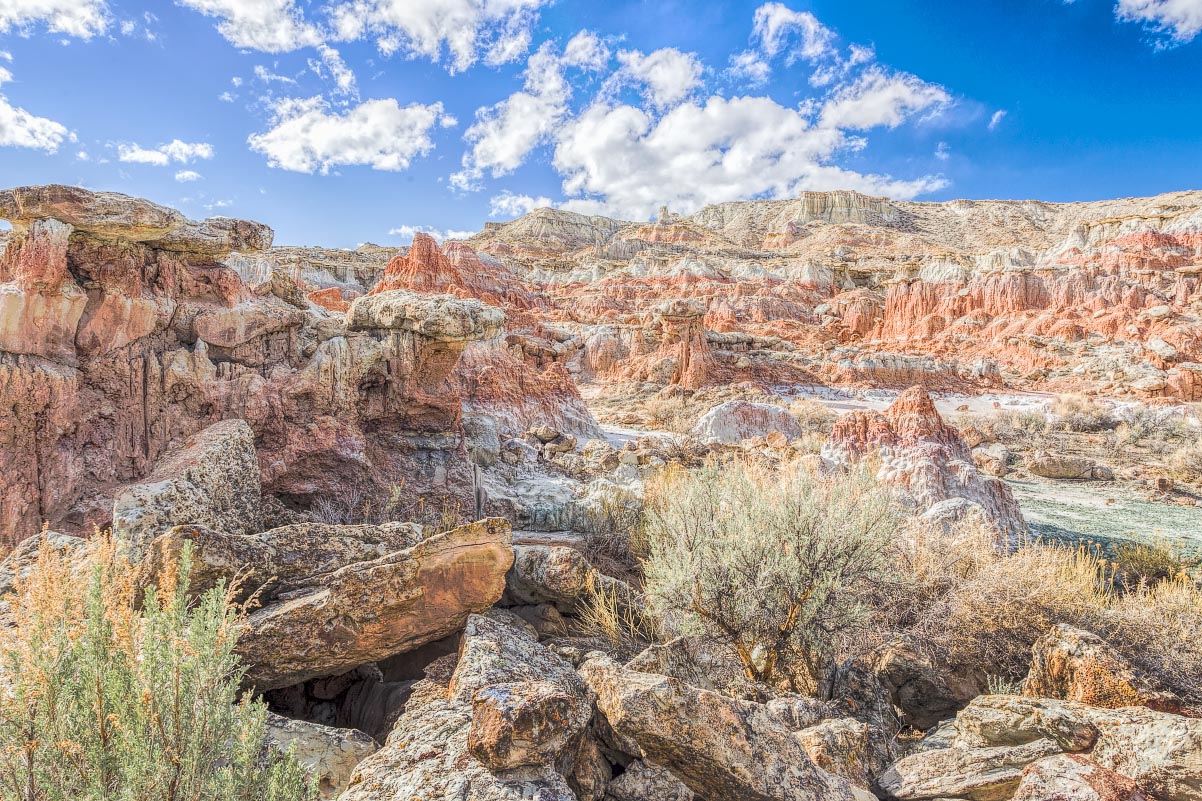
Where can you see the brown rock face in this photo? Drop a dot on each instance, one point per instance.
(122, 333)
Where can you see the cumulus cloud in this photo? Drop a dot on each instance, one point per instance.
(19, 128)
(454, 31)
(306, 137)
(508, 204)
(505, 133)
(880, 98)
(666, 76)
(175, 150)
(750, 66)
(1179, 20)
(407, 232)
(187, 176)
(621, 160)
(799, 33)
(272, 26)
(79, 18)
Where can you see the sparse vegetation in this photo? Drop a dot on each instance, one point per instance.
(111, 693)
(1081, 414)
(670, 413)
(773, 563)
(1186, 463)
(1147, 564)
(813, 415)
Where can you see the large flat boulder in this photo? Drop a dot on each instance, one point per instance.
(1072, 777)
(445, 318)
(976, 774)
(734, 421)
(326, 753)
(371, 609)
(719, 747)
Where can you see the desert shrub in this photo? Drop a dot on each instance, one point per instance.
(1147, 563)
(611, 525)
(1006, 426)
(1186, 463)
(1082, 414)
(608, 613)
(109, 694)
(1159, 629)
(773, 563)
(813, 415)
(669, 413)
(352, 504)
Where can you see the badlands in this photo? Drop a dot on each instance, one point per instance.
(434, 467)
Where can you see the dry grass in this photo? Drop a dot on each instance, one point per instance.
(1081, 414)
(1186, 463)
(353, 505)
(670, 413)
(813, 416)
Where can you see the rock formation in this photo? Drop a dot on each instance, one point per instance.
(927, 460)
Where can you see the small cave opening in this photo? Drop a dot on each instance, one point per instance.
(369, 698)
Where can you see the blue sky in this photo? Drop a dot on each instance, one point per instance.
(344, 121)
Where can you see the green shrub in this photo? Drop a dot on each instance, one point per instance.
(775, 563)
(108, 695)
(1147, 563)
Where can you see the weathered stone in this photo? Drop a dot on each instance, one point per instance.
(444, 318)
(24, 557)
(844, 747)
(925, 692)
(735, 421)
(1071, 777)
(718, 746)
(372, 609)
(977, 774)
(526, 723)
(1161, 752)
(1061, 466)
(994, 720)
(644, 781)
(696, 661)
(210, 479)
(1077, 665)
(427, 756)
(327, 754)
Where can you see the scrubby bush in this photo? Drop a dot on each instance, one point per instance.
(1186, 463)
(1006, 426)
(108, 693)
(1147, 563)
(669, 413)
(813, 416)
(1082, 414)
(776, 564)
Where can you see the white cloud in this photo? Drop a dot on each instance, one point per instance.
(19, 128)
(83, 156)
(667, 76)
(776, 25)
(236, 81)
(996, 119)
(621, 161)
(1180, 20)
(186, 176)
(80, 18)
(943, 152)
(226, 97)
(879, 98)
(267, 76)
(5, 76)
(273, 26)
(407, 232)
(750, 66)
(175, 150)
(331, 62)
(7, 56)
(306, 137)
(218, 204)
(507, 204)
(505, 133)
(459, 30)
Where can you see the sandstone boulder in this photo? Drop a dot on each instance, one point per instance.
(1063, 466)
(444, 318)
(1071, 777)
(526, 723)
(924, 691)
(210, 479)
(327, 754)
(734, 421)
(429, 753)
(719, 747)
(561, 576)
(977, 774)
(1161, 752)
(644, 781)
(844, 747)
(331, 622)
(1002, 720)
(1078, 665)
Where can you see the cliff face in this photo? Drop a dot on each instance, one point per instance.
(1103, 296)
(123, 330)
